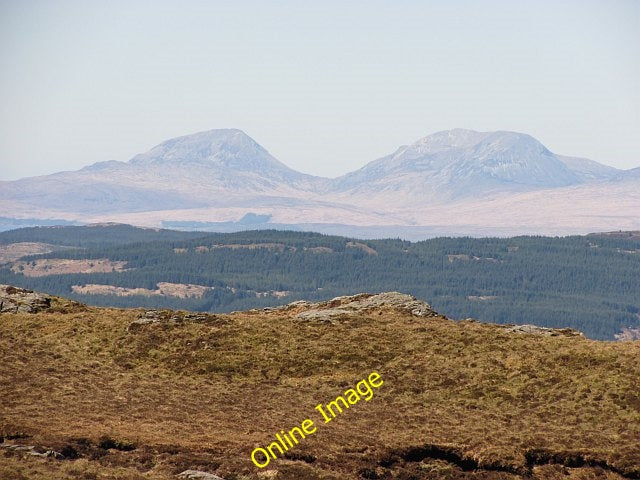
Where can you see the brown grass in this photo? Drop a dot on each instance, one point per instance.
(203, 395)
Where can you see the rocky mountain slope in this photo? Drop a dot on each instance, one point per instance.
(135, 394)
(445, 179)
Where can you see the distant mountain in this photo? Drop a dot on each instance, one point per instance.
(452, 182)
(200, 170)
(224, 153)
(453, 164)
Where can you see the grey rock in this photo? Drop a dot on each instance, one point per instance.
(299, 303)
(20, 300)
(198, 475)
(348, 305)
(324, 316)
(550, 332)
(34, 451)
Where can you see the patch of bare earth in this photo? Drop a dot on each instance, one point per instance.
(15, 251)
(365, 248)
(63, 266)
(180, 290)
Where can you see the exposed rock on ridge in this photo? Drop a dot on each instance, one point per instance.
(341, 308)
(354, 304)
(551, 332)
(15, 299)
(198, 475)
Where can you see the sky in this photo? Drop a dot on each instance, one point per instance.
(324, 86)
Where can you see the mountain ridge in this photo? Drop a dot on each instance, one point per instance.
(221, 175)
(430, 144)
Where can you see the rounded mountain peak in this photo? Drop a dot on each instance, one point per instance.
(447, 140)
(229, 147)
(503, 140)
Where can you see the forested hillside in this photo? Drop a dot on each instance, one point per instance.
(591, 283)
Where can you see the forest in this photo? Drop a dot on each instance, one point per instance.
(590, 283)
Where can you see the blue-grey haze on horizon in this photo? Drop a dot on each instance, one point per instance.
(325, 86)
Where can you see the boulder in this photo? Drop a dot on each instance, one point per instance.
(16, 299)
(198, 475)
(364, 302)
(34, 451)
(550, 332)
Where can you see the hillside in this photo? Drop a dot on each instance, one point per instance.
(588, 283)
(454, 182)
(92, 393)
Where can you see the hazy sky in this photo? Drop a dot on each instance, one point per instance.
(325, 86)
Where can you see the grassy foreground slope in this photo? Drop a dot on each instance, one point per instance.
(460, 400)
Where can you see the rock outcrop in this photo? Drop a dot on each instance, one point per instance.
(354, 304)
(34, 451)
(339, 309)
(15, 300)
(198, 475)
(550, 332)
